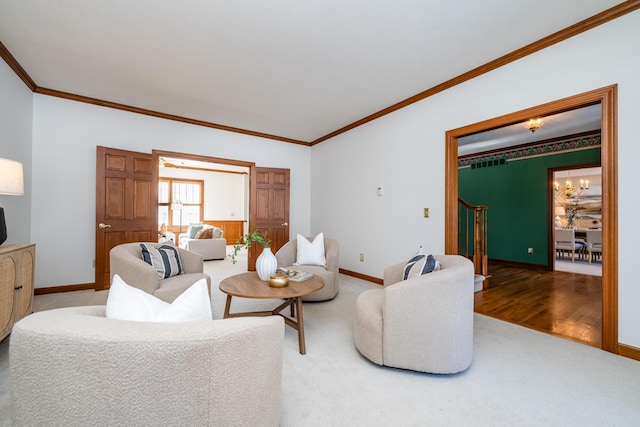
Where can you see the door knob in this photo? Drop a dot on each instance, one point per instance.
(102, 226)
(284, 224)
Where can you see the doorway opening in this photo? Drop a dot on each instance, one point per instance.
(606, 97)
(577, 206)
(202, 190)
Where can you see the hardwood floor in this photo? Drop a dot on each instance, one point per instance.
(568, 305)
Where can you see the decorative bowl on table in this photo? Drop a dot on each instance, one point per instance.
(279, 280)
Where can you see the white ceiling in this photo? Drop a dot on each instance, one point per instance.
(294, 69)
(553, 126)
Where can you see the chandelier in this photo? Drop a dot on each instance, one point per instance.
(571, 190)
(568, 196)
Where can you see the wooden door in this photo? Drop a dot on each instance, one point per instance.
(269, 211)
(126, 204)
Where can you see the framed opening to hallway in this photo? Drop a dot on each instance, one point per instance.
(607, 97)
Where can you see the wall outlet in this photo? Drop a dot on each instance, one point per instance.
(361, 257)
(530, 250)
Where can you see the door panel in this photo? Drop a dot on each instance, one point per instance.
(126, 204)
(270, 208)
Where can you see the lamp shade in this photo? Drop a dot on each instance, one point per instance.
(560, 211)
(11, 178)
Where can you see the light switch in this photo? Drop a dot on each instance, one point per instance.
(426, 212)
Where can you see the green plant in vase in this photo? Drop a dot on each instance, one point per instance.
(257, 236)
(572, 216)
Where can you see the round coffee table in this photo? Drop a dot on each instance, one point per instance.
(249, 285)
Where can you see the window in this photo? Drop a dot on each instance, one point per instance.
(180, 202)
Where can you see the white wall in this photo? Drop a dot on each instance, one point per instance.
(16, 107)
(225, 195)
(404, 153)
(65, 136)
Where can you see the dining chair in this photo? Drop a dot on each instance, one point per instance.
(566, 241)
(594, 244)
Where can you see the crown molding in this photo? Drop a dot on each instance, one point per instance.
(582, 26)
(16, 67)
(138, 110)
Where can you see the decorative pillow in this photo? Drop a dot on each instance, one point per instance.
(311, 253)
(217, 233)
(194, 229)
(205, 233)
(420, 264)
(125, 302)
(165, 259)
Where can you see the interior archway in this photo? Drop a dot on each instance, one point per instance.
(607, 97)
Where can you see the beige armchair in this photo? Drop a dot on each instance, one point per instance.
(286, 257)
(74, 367)
(424, 323)
(126, 261)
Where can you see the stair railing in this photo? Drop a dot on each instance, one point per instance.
(472, 236)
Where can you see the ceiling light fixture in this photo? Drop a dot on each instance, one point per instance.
(534, 124)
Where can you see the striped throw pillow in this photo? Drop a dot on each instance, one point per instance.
(165, 259)
(420, 264)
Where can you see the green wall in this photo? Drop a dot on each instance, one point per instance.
(516, 194)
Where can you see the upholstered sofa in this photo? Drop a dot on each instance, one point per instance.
(424, 323)
(210, 244)
(287, 256)
(74, 367)
(126, 261)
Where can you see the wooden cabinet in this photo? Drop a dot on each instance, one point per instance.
(17, 265)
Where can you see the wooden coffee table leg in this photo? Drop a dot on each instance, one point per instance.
(303, 349)
(227, 306)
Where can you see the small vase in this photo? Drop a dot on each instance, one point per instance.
(266, 264)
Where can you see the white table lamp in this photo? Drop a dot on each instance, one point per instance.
(11, 184)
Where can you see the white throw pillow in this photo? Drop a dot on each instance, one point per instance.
(125, 302)
(311, 253)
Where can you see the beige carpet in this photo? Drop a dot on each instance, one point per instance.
(518, 377)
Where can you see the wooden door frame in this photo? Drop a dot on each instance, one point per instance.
(607, 97)
(202, 158)
(551, 243)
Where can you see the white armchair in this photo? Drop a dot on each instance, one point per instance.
(424, 323)
(209, 242)
(74, 367)
(126, 261)
(287, 256)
